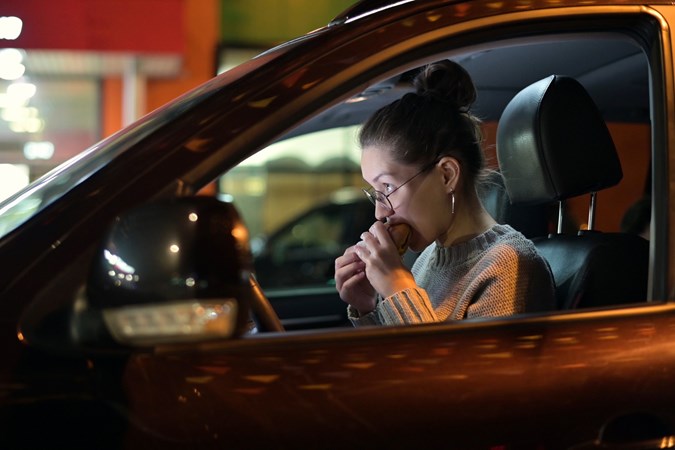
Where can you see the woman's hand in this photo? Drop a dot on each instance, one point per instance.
(384, 268)
(352, 284)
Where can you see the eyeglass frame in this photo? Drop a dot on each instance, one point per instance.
(376, 196)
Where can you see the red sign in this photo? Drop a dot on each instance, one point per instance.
(144, 26)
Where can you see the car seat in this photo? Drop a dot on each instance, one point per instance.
(530, 220)
(552, 145)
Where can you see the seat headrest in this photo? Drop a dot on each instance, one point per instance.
(553, 144)
(531, 220)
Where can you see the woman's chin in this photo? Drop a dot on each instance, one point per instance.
(417, 244)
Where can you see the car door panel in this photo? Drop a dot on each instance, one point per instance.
(545, 383)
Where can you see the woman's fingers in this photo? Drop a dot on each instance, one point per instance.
(347, 267)
(376, 243)
(348, 257)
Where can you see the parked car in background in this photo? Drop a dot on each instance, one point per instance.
(301, 255)
(303, 251)
(125, 298)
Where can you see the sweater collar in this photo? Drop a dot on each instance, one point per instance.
(463, 250)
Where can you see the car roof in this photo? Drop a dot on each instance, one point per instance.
(365, 7)
(592, 63)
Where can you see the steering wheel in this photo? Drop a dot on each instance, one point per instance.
(264, 316)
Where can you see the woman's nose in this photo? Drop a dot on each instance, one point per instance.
(382, 212)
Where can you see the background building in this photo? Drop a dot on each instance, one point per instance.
(73, 72)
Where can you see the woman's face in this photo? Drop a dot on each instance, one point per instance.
(422, 202)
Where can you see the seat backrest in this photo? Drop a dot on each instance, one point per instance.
(601, 269)
(553, 144)
(531, 220)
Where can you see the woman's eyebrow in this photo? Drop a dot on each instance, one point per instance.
(380, 176)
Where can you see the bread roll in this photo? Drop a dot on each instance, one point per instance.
(400, 233)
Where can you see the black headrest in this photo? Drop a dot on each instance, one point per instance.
(553, 144)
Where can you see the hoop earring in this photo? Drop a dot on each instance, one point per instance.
(452, 200)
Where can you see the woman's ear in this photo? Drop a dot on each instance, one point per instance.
(451, 170)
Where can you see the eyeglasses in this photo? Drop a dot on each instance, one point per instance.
(376, 197)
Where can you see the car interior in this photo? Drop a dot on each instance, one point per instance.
(582, 100)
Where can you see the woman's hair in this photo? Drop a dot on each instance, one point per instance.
(421, 127)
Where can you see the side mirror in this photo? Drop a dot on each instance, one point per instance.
(173, 271)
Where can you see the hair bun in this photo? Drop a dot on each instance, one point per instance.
(447, 81)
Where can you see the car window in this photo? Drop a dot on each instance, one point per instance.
(302, 252)
(301, 199)
(284, 190)
(291, 176)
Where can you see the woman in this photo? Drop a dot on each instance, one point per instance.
(422, 156)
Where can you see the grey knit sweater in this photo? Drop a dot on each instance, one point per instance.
(497, 273)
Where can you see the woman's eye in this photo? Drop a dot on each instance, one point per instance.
(388, 188)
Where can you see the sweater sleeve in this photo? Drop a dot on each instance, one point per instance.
(372, 318)
(409, 306)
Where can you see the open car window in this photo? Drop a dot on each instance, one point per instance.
(300, 198)
(284, 191)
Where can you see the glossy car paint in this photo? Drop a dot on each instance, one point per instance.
(539, 382)
(431, 386)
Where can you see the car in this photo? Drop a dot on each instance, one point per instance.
(131, 312)
(301, 254)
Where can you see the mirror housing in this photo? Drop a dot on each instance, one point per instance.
(172, 271)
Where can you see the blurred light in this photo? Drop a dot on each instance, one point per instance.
(177, 322)
(11, 102)
(11, 72)
(19, 113)
(117, 263)
(38, 150)
(12, 178)
(22, 119)
(174, 248)
(10, 27)
(357, 99)
(21, 90)
(11, 56)
(667, 442)
(240, 232)
(193, 217)
(11, 67)
(28, 125)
